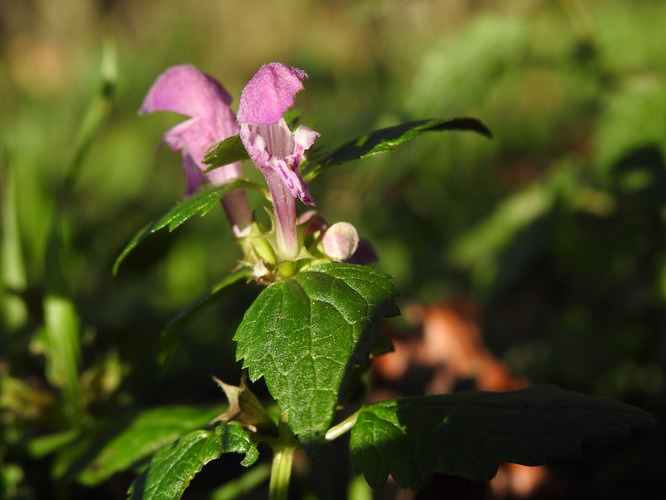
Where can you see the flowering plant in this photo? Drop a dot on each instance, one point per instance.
(312, 330)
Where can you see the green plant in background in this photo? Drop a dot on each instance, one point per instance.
(555, 227)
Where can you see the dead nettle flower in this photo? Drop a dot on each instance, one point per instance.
(186, 90)
(274, 148)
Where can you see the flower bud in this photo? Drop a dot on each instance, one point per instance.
(340, 241)
(264, 250)
(312, 221)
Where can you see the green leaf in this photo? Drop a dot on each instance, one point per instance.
(97, 114)
(228, 151)
(460, 73)
(170, 335)
(42, 446)
(172, 468)
(633, 117)
(61, 342)
(481, 248)
(468, 434)
(124, 442)
(387, 139)
(200, 203)
(13, 274)
(305, 334)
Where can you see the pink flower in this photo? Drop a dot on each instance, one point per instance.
(274, 148)
(188, 91)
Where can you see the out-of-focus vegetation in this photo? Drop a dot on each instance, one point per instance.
(556, 227)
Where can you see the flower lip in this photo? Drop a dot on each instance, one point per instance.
(269, 94)
(186, 90)
(274, 147)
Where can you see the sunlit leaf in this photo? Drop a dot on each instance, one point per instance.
(200, 203)
(387, 139)
(172, 468)
(228, 151)
(305, 334)
(118, 445)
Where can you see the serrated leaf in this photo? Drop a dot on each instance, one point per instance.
(228, 151)
(235, 439)
(468, 434)
(387, 139)
(170, 335)
(172, 468)
(305, 334)
(199, 203)
(119, 445)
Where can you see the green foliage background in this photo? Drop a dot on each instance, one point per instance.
(556, 227)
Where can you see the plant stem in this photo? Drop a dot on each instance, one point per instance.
(338, 430)
(278, 488)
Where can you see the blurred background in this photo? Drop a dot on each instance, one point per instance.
(555, 229)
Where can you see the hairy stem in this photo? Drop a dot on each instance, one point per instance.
(278, 488)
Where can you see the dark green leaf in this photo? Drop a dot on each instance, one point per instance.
(170, 335)
(228, 151)
(122, 443)
(381, 141)
(200, 203)
(468, 434)
(305, 334)
(172, 468)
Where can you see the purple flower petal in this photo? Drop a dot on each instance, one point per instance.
(364, 254)
(269, 94)
(188, 91)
